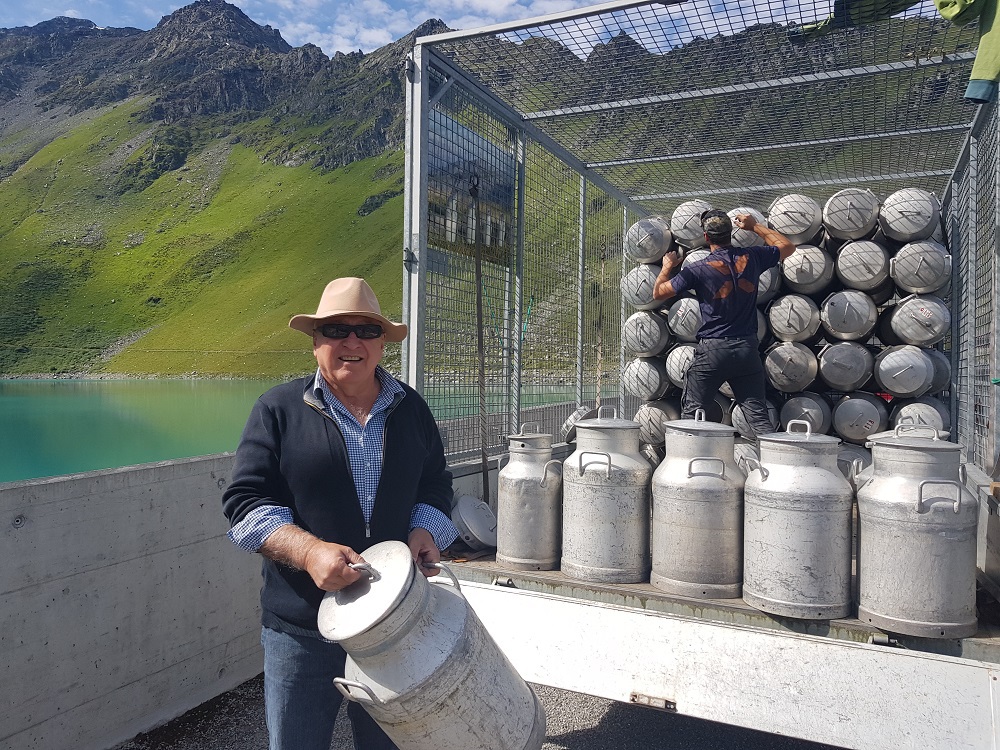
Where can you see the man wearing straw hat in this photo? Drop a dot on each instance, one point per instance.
(327, 466)
(725, 284)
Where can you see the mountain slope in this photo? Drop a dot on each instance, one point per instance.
(170, 198)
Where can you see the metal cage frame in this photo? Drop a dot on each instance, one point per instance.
(532, 146)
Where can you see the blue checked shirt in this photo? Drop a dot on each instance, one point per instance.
(364, 452)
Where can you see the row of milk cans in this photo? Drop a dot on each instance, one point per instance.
(782, 536)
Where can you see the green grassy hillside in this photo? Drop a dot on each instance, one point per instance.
(197, 273)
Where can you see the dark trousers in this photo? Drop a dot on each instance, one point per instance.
(733, 360)
(300, 699)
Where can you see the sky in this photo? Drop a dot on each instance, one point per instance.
(332, 25)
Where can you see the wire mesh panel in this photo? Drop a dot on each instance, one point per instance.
(973, 221)
(737, 103)
(522, 254)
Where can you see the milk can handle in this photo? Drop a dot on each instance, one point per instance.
(525, 424)
(545, 470)
(367, 568)
(748, 460)
(699, 415)
(595, 453)
(692, 473)
(344, 686)
(500, 460)
(447, 571)
(614, 411)
(911, 426)
(807, 424)
(920, 492)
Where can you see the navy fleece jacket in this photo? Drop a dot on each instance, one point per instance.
(293, 455)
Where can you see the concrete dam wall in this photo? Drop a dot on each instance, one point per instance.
(122, 603)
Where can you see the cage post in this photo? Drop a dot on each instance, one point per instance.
(415, 219)
(517, 338)
(992, 439)
(581, 267)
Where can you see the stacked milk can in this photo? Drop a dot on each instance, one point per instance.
(848, 327)
(858, 472)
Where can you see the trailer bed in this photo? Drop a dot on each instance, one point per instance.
(838, 682)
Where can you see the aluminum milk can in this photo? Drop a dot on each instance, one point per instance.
(794, 317)
(809, 271)
(646, 378)
(637, 286)
(645, 334)
(797, 528)
(422, 664)
(918, 523)
(796, 216)
(697, 539)
(648, 240)
(606, 503)
(529, 505)
(685, 223)
(851, 214)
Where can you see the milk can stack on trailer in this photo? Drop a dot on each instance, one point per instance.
(832, 317)
(851, 358)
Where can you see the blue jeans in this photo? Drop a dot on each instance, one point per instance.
(737, 361)
(300, 699)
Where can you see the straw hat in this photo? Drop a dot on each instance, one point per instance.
(348, 296)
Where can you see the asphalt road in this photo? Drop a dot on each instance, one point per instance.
(235, 721)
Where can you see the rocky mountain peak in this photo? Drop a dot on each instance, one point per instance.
(57, 25)
(213, 23)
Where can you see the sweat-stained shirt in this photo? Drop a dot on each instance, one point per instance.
(726, 285)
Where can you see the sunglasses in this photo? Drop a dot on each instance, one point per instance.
(343, 330)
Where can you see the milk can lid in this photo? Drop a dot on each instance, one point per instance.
(475, 522)
(353, 610)
(928, 440)
(607, 423)
(699, 427)
(799, 436)
(569, 426)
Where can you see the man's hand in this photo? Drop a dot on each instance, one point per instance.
(424, 551)
(662, 288)
(326, 563)
(671, 260)
(770, 236)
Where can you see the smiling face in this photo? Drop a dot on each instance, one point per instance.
(348, 364)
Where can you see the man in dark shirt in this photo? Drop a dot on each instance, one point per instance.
(725, 284)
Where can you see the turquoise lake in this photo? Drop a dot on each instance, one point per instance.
(54, 427)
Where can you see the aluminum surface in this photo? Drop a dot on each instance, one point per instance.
(432, 676)
(794, 496)
(917, 552)
(606, 504)
(697, 533)
(529, 508)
